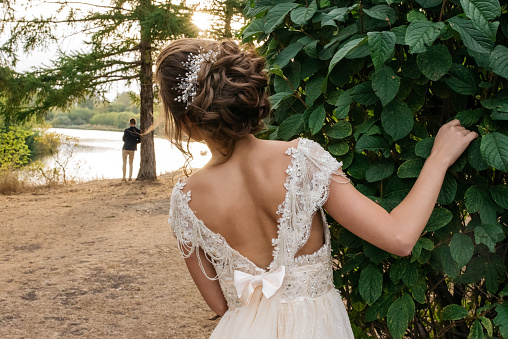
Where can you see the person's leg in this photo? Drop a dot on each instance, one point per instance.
(124, 166)
(131, 162)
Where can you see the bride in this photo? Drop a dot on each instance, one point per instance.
(251, 223)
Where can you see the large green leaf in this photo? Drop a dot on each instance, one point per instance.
(422, 33)
(290, 127)
(397, 119)
(501, 318)
(374, 253)
(474, 156)
(489, 235)
(317, 119)
(343, 103)
(363, 94)
(422, 243)
(371, 143)
(410, 168)
(448, 191)
(435, 62)
(370, 284)
(381, 46)
(400, 34)
(277, 98)
(385, 84)
(338, 149)
(382, 12)
(418, 290)
(313, 88)
(340, 130)
(398, 269)
(470, 117)
(342, 51)
(477, 199)
(399, 314)
(494, 150)
(461, 248)
(276, 15)
(500, 195)
(476, 331)
(440, 217)
(462, 80)
(301, 15)
(487, 324)
(497, 101)
(443, 261)
(380, 308)
(454, 312)
(499, 61)
(255, 27)
(411, 275)
(287, 54)
(481, 12)
(472, 38)
(337, 14)
(423, 147)
(379, 171)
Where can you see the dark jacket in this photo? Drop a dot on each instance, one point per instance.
(131, 138)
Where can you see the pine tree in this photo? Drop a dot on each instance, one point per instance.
(123, 36)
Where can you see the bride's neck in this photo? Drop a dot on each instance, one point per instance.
(241, 146)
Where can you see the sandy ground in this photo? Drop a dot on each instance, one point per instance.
(95, 260)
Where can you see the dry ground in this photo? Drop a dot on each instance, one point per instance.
(95, 260)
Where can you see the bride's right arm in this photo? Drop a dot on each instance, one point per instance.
(397, 232)
(209, 289)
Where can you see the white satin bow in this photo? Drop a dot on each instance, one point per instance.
(246, 283)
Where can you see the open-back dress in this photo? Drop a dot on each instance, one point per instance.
(294, 297)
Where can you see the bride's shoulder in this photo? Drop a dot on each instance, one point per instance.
(278, 146)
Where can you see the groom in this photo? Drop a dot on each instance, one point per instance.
(131, 139)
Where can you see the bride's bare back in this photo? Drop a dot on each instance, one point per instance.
(239, 199)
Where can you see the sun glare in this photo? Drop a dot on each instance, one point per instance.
(202, 20)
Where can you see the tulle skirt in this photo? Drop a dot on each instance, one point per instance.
(306, 318)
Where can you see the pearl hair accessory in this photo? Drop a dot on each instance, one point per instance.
(188, 84)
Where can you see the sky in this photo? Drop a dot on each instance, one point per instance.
(74, 42)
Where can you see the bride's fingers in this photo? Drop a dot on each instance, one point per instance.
(470, 136)
(454, 122)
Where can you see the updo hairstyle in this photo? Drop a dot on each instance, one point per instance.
(230, 102)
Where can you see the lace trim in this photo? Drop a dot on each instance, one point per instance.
(217, 251)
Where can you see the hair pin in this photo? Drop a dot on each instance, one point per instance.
(188, 84)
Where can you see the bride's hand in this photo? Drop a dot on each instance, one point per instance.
(451, 141)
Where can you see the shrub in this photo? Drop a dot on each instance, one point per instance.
(373, 81)
(14, 151)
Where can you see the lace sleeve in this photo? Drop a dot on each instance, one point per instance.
(321, 168)
(181, 224)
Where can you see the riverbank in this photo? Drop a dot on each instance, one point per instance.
(95, 260)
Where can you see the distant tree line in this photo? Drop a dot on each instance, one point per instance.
(89, 114)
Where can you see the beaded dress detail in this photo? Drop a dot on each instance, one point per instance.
(306, 305)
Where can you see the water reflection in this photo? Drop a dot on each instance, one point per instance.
(98, 155)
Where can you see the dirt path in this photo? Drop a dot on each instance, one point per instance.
(95, 260)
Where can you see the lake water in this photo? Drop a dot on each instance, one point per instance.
(98, 155)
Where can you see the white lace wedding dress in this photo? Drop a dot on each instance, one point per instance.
(294, 297)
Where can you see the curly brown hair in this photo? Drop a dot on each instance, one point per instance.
(231, 99)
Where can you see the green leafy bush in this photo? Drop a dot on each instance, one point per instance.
(373, 81)
(14, 152)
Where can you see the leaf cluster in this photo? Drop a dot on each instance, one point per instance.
(373, 81)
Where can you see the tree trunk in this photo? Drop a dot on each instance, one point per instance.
(147, 165)
(229, 11)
